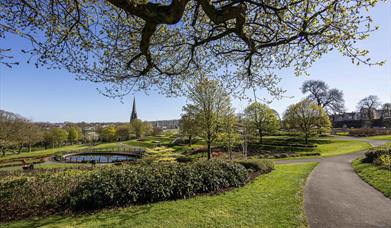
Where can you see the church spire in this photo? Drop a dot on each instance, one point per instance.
(134, 112)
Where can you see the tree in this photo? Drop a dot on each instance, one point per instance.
(148, 128)
(368, 105)
(188, 124)
(261, 119)
(107, 134)
(386, 114)
(229, 135)
(10, 128)
(17, 132)
(32, 134)
(143, 43)
(139, 128)
(73, 135)
(55, 136)
(123, 132)
(386, 108)
(329, 99)
(210, 103)
(307, 118)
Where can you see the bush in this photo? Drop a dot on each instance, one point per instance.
(184, 159)
(146, 184)
(257, 165)
(372, 155)
(384, 160)
(363, 132)
(26, 195)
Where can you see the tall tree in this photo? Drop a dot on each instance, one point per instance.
(17, 132)
(188, 124)
(229, 135)
(368, 105)
(107, 134)
(386, 108)
(307, 118)
(329, 99)
(56, 136)
(32, 134)
(140, 128)
(143, 43)
(210, 103)
(123, 132)
(73, 135)
(261, 119)
(10, 128)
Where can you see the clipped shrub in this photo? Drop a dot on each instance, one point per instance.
(25, 196)
(146, 184)
(362, 132)
(29, 195)
(258, 165)
(309, 154)
(372, 155)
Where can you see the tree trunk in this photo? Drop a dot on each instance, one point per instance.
(230, 153)
(209, 150)
(20, 149)
(189, 140)
(29, 147)
(260, 137)
(306, 139)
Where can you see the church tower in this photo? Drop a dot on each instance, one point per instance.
(134, 112)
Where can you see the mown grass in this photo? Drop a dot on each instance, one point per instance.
(334, 148)
(338, 147)
(379, 178)
(271, 200)
(379, 137)
(41, 153)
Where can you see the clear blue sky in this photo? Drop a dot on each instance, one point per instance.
(55, 96)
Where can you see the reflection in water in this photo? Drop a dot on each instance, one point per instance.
(99, 158)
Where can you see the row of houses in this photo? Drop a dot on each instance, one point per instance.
(363, 118)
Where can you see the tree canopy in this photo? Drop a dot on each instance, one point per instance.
(307, 118)
(211, 104)
(329, 99)
(368, 105)
(261, 119)
(139, 44)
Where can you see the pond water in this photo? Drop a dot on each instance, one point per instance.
(99, 158)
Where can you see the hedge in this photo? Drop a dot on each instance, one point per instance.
(258, 165)
(75, 190)
(372, 155)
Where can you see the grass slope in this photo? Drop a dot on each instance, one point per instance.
(272, 200)
(338, 147)
(41, 153)
(378, 177)
(380, 137)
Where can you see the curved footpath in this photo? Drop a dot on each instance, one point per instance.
(335, 196)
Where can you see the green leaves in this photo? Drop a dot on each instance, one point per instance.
(100, 42)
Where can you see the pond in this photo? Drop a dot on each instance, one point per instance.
(98, 157)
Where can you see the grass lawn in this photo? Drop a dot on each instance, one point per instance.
(378, 177)
(380, 137)
(41, 153)
(335, 147)
(272, 200)
(338, 147)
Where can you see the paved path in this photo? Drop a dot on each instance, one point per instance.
(335, 196)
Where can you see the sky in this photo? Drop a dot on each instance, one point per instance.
(55, 95)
